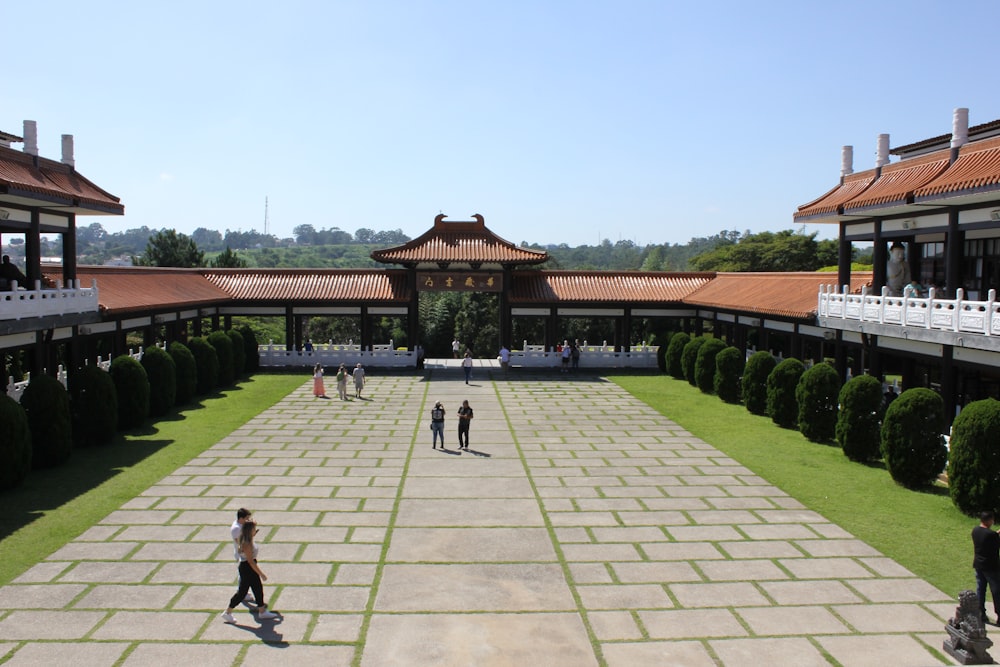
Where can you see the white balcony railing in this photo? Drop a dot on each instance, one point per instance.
(20, 303)
(382, 356)
(15, 389)
(958, 315)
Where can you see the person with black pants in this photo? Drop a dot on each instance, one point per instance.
(464, 419)
(986, 562)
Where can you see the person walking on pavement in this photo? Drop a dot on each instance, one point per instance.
(455, 347)
(437, 424)
(251, 576)
(319, 390)
(467, 366)
(504, 359)
(359, 379)
(986, 562)
(464, 420)
(342, 382)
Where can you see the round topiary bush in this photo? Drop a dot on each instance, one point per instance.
(754, 383)
(782, 407)
(251, 355)
(46, 403)
(704, 365)
(974, 457)
(187, 372)
(132, 388)
(816, 395)
(15, 443)
(675, 350)
(239, 353)
(728, 369)
(93, 406)
(224, 349)
(161, 371)
(689, 359)
(860, 418)
(661, 351)
(912, 441)
(206, 362)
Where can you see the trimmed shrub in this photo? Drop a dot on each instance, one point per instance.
(661, 354)
(689, 359)
(15, 443)
(161, 371)
(46, 403)
(675, 349)
(93, 406)
(860, 418)
(206, 362)
(239, 353)
(816, 395)
(782, 407)
(912, 445)
(974, 457)
(251, 355)
(223, 345)
(187, 373)
(754, 384)
(728, 369)
(704, 365)
(132, 388)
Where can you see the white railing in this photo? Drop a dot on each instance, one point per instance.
(15, 389)
(328, 354)
(958, 315)
(20, 303)
(591, 356)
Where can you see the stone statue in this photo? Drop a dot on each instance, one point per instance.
(967, 641)
(897, 271)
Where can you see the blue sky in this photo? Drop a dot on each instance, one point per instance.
(559, 122)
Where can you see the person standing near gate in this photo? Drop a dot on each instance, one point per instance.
(986, 562)
(504, 359)
(467, 366)
(437, 424)
(464, 420)
(455, 347)
(359, 379)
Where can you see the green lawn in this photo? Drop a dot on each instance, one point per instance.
(55, 506)
(923, 531)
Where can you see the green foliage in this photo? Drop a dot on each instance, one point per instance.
(206, 360)
(46, 403)
(223, 345)
(187, 372)
(251, 355)
(754, 383)
(689, 359)
(974, 457)
(93, 403)
(912, 442)
(860, 418)
(675, 352)
(239, 352)
(728, 370)
(816, 395)
(132, 389)
(161, 371)
(15, 443)
(227, 259)
(782, 406)
(170, 248)
(661, 351)
(786, 250)
(704, 365)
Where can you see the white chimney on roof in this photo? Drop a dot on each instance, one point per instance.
(67, 150)
(959, 128)
(30, 137)
(846, 161)
(882, 152)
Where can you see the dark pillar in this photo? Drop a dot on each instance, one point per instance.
(413, 309)
(551, 326)
(33, 250)
(954, 249)
(948, 383)
(506, 324)
(69, 252)
(366, 328)
(627, 326)
(289, 329)
(843, 258)
(880, 255)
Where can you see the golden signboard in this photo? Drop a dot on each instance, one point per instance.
(460, 281)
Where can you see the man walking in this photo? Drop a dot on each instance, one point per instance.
(464, 419)
(986, 562)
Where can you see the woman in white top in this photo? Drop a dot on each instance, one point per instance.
(251, 576)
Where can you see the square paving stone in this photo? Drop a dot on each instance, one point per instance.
(783, 652)
(322, 598)
(203, 655)
(468, 512)
(655, 572)
(680, 551)
(658, 654)
(76, 653)
(613, 625)
(158, 534)
(336, 628)
(94, 551)
(825, 568)
(476, 545)
(765, 549)
(301, 656)
(880, 650)
(624, 596)
(553, 640)
(739, 594)
(176, 551)
(741, 570)
(897, 590)
(128, 597)
(889, 618)
(362, 574)
(33, 625)
(109, 572)
(810, 592)
(48, 596)
(576, 553)
(684, 623)
(590, 573)
(209, 597)
(340, 553)
(309, 534)
(703, 533)
(42, 572)
(792, 620)
(195, 573)
(831, 548)
(152, 625)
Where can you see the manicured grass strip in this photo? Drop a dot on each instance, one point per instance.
(55, 506)
(920, 530)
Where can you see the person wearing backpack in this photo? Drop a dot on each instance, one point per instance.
(437, 424)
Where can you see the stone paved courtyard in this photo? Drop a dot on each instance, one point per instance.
(582, 528)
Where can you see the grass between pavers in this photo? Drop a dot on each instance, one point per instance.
(52, 507)
(923, 531)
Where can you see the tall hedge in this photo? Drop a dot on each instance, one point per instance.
(974, 457)
(93, 406)
(187, 372)
(754, 383)
(782, 406)
(207, 364)
(161, 371)
(251, 355)
(239, 353)
(132, 388)
(704, 365)
(15, 443)
(689, 359)
(860, 418)
(223, 345)
(661, 353)
(728, 369)
(675, 350)
(912, 441)
(46, 403)
(816, 394)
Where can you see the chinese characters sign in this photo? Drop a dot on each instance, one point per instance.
(460, 281)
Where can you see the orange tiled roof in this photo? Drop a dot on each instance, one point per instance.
(459, 242)
(828, 205)
(55, 183)
(793, 294)
(310, 284)
(121, 289)
(898, 181)
(595, 286)
(977, 169)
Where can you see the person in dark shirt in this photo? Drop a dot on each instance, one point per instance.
(986, 562)
(12, 274)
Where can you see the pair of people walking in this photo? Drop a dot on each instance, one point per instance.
(243, 531)
(465, 415)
